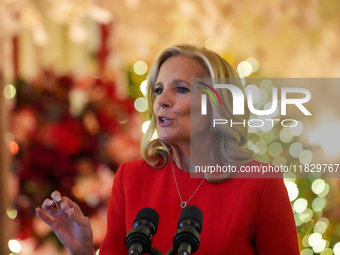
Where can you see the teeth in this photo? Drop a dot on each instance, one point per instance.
(165, 120)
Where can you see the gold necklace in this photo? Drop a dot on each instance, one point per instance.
(184, 203)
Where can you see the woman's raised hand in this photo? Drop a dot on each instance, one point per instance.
(69, 224)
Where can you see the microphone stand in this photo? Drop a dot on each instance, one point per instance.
(171, 252)
(154, 251)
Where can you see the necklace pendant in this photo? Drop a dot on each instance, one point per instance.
(183, 204)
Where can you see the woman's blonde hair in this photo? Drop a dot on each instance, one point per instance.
(232, 141)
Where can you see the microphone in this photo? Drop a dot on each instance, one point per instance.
(187, 237)
(138, 240)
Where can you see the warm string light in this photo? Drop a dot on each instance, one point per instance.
(293, 190)
(13, 147)
(143, 88)
(244, 68)
(12, 213)
(278, 161)
(247, 67)
(9, 91)
(145, 126)
(141, 104)
(300, 205)
(140, 67)
(14, 246)
(336, 249)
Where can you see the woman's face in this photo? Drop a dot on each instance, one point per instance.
(172, 98)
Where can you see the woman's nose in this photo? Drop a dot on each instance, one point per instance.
(164, 99)
(164, 103)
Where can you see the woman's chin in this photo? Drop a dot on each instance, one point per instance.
(164, 137)
(167, 138)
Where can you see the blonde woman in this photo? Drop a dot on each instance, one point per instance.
(241, 215)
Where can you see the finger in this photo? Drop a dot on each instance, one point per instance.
(73, 211)
(66, 204)
(78, 217)
(50, 207)
(56, 196)
(44, 216)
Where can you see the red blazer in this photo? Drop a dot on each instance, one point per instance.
(240, 216)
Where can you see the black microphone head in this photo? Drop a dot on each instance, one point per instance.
(148, 214)
(191, 213)
(138, 240)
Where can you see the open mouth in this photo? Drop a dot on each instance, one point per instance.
(164, 119)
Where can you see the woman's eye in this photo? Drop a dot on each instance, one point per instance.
(158, 91)
(182, 90)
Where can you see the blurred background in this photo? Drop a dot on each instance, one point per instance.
(72, 77)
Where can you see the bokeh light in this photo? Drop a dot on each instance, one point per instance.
(267, 85)
(8, 138)
(300, 205)
(319, 246)
(12, 213)
(78, 99)
(305, 241)
(296, 128)
(9, 91)
(327, 251)
(279, 161)
(285, 136)
(140, 67)
(319, 204)
(295, 150)
(314, 239)
(321, 225)
(14, 246)
(244, 68)
(262, 147)
(336, 249)
(318, 186)
(254, 63)
(298, 222)
(13, 147)
(145, 126)
(292, 190)
(143, 86)
(289, 177)
(275, 149)
(267, 137)
(306, 252)
(92, 200)
(306, 215)
(141, 104)
(325, 191)
(306, 157)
